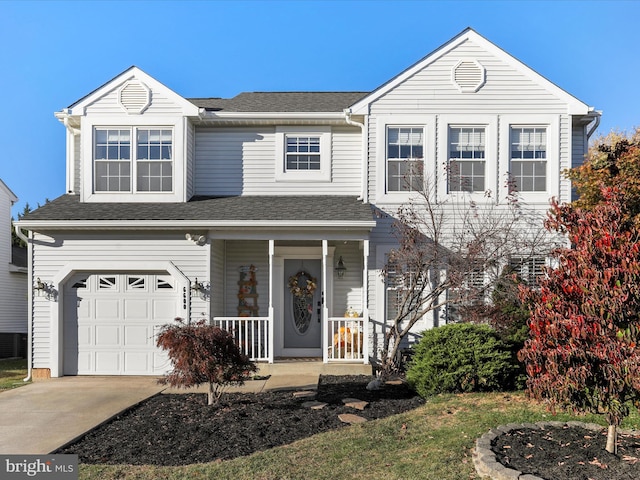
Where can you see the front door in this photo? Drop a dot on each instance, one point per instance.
(302, 308)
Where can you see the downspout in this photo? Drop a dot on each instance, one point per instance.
(595, 126)
(364, 196)
(71, 154)
(25, 239)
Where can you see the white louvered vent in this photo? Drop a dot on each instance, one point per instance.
(468, 76)
(134, 97)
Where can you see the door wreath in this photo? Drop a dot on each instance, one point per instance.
(302, 284)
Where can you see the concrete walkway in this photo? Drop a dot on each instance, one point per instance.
(40, 417)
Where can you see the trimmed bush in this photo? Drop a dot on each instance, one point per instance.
(458, 358)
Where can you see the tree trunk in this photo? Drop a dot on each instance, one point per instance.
(612, 440)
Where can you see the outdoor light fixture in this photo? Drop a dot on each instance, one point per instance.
(340, 268)
(197, 286)
(196, 238)
(45, 288)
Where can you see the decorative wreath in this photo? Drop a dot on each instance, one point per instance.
(309, 284)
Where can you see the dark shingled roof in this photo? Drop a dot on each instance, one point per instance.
(281, 102)
(243, 208)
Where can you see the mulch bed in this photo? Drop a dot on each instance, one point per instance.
(181, 429)
(568, 453)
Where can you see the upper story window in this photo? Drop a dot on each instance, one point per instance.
(528, 166)
(405, 158)
(466, 166)
(303, 154)
(145, 154)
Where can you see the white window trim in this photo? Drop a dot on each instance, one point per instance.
(428, 123)
(552, 123)
(490, 124)
(322, 175)
(88, 127)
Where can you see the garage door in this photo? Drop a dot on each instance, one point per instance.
(111, 322)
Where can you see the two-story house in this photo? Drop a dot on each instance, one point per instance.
(13, 284)
(258, 212)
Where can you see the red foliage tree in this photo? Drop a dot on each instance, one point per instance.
(582, 351)
(202, 353)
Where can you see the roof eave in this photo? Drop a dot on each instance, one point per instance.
(50, 225)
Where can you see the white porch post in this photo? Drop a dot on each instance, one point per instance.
(325, 307)
(272, 329)
(365, 299)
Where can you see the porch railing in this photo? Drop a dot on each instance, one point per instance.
(346, 339)
(251, 334)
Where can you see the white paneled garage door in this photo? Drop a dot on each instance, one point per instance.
(111, 322)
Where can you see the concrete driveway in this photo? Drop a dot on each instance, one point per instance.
(42, 416)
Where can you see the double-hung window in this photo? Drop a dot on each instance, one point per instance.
(528, 166)
(467, 164)
(136, 159)
(405, 158)
(303, 153)
(529, 269)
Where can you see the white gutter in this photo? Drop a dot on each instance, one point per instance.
(25, 239)
(189, 224)
(208, 115)
(364, 195)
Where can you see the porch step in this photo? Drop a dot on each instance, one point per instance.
(312, 367)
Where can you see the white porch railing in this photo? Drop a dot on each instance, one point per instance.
(346, 337)
(251, 334)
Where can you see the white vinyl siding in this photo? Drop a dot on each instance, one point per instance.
(241, 161)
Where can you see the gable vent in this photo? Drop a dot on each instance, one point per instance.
(468, 76)
(134, 97)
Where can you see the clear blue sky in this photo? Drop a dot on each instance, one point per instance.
(53, 53)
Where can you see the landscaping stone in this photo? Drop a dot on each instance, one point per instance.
(305, 394)
(355, 403)
(314, 405)
(351, 419)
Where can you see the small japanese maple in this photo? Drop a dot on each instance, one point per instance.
(582, 352)
(203, 353)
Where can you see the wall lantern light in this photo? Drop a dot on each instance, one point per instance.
(340, 268)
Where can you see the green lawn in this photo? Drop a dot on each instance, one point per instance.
(11, 373)
(432, 442)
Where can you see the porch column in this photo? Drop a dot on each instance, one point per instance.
(272, 329)
(365, 299)
(325, 307)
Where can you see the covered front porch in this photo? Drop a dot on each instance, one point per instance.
(288, 299)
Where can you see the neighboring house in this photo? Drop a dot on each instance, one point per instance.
(13, 284)
(213, 208)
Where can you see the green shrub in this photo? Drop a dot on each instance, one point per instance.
(461, 357)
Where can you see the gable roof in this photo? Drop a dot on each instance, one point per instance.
(12, 196)
(77, 108)
(281, 102)
(576, 107)
(68, 211)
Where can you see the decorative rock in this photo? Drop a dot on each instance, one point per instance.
(351, 418)
(355, 403)
(374, 384)
(305, 394)
(314, 405)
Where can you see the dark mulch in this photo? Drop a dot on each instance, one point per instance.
(568, 453)
(182, 429)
